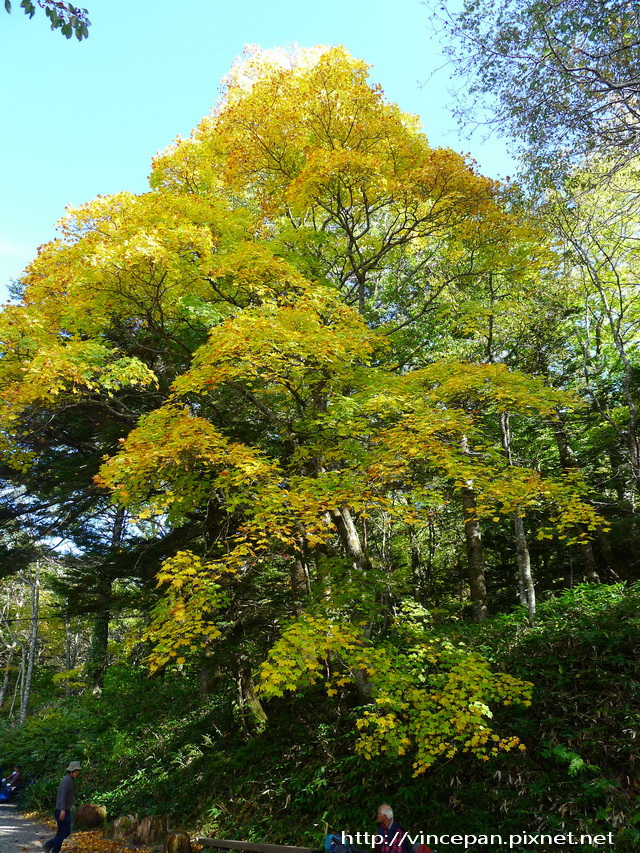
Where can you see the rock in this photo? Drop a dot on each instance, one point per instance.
(89, 816)
(124, 827)
(152, 829)
(177, 842)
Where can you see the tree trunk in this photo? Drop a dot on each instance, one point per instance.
(526, 588)
(208, 674)
(607, 553)
(525, 575)
(300, 578)
(350, 537)
(475, 556)
(70, 653)
(416, 564)
(19, 681)
(423, 575)
(25, 694)
(252, 714)
(7, 675)
(589, 561)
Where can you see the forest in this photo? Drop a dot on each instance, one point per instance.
(320, 460)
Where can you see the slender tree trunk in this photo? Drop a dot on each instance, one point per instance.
(7, 675)
(475, 554)
(416, 564)
(422, 571)
(431, 557)
(67, 655)
(19, 688)
(522, 590)
(33, 643)
(525, 575)
(300, 577)
(526, 588)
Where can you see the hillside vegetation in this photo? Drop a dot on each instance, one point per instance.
(172, 752)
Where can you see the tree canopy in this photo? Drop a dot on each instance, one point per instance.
(561, 78)
(312, 343)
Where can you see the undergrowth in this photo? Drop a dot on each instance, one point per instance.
(154, 745)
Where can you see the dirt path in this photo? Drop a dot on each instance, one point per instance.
(19, 835)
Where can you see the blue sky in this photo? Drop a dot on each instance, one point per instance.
(84, 118)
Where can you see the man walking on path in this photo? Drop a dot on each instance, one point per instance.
(64, 804)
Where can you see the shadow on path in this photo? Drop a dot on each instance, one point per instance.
(19, 835)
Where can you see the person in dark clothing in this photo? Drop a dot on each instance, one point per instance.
(393, 837)
(64, 804)
(12, 781)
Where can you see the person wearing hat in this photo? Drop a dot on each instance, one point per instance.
(64, 804)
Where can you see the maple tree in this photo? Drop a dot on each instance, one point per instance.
(253, 334)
